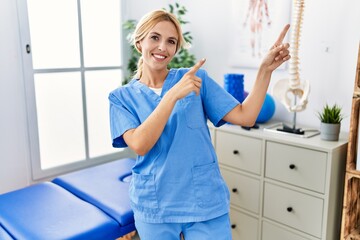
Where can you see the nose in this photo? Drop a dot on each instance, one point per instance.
(161, 46)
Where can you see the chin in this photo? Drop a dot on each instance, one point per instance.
(160, 66)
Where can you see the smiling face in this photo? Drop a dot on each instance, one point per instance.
(159, 46)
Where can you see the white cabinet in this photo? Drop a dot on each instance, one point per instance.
(301, 167)
(243, 153)
(271, 232)
(293, 208)
(244, 190)
(243, 226)
(281, 187)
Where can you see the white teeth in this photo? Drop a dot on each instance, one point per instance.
(159, 56)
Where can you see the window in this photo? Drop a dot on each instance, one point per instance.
(72, 60)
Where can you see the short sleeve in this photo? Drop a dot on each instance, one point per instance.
(121, 120)
(216, 100)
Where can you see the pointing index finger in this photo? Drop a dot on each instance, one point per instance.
(282, 35)
(197, 66)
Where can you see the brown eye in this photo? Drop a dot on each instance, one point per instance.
(154, 38)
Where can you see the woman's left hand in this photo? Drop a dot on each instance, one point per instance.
(278, 53)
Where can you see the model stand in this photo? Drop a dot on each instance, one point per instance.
(293, 86)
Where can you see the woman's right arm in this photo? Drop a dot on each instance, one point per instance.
(144, 137)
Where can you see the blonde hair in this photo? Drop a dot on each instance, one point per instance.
(146, 23)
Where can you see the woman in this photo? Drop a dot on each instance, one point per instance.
(162, 115)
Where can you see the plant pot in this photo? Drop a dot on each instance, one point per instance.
(330, 131)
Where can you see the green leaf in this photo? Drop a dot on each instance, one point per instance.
(331, 114)
(171, 8)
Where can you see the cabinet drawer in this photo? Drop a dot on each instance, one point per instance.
(244, 191)
(297, 210)
(243, 226)
(239, 151)
(272, 232)
(298, 166)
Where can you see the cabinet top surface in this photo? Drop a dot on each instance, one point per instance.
(311, 142)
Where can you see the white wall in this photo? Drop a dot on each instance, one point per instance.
(328, 24)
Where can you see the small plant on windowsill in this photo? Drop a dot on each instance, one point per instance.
(182, 59)
(330, 118)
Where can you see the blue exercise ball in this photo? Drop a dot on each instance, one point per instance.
(267, 110)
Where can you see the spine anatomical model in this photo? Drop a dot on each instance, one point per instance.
(300, 89)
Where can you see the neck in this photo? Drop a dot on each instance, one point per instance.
(154, 79)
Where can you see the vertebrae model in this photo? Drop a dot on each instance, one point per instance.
(293, 85)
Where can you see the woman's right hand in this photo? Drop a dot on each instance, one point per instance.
(188, 83)
(278, 53)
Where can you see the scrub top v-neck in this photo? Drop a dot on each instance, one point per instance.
(146, 90)
(178, 180)
(156, 90)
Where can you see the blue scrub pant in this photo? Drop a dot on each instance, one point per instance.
(217, 229)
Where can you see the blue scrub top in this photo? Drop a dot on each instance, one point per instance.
(178, 180)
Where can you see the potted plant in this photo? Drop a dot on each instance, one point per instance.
(330, 118)
(182, 59)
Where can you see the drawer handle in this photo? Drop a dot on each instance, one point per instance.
(289, 209)
(234, 190)
(233, 226)
(235, 152)
(292, 166)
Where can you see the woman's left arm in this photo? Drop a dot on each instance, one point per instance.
(245, 114)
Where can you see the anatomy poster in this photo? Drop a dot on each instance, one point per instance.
(257, 24)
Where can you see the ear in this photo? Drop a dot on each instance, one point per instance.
(138, 46)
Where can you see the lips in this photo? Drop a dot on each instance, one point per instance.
(158, 56)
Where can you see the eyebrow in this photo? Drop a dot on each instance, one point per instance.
(158, 34)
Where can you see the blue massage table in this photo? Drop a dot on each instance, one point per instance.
(4, 235)
(92, 203)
